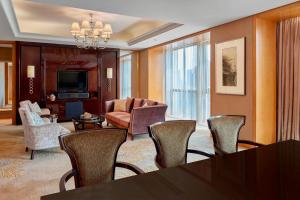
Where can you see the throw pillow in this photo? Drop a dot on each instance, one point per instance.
(151, 103)
(36, 108)
(145, 105)
(29, 119)
(138, 102)
(129, 104)
(120, 105)
(36, 119)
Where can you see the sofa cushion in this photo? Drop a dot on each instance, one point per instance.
(120, 105)
(138, 102)
(129, 104)
(119, 119)
(150, 102)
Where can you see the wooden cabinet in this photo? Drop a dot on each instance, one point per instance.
(59, 107)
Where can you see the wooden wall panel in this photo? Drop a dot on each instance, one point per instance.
(49, 58)
(30, 55)
(265, 81)
(108, 59)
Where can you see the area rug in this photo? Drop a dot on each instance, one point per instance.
(22, 178)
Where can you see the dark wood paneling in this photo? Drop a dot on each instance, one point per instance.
(30, 55)
(49, 58)
(108, 59)
(63, 59)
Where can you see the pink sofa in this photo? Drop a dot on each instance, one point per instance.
(137, 118)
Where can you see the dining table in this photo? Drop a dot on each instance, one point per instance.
(267, 172)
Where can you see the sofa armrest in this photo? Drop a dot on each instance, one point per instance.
(109, 106)
(142, 117)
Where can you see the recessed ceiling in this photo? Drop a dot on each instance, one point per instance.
(53, 20)
(136, 23)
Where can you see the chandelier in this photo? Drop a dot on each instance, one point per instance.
(91, 33)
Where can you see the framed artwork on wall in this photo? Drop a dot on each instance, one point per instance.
(230, 67)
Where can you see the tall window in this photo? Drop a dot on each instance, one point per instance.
(187, 76)
(125, 76)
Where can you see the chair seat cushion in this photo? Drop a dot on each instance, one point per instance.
(120, 119)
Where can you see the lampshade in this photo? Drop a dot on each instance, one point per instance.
(75, 28)
(85, 25)
(107, 29)
(96, 33)
(30, 71)
(109, 73)
(98, 25)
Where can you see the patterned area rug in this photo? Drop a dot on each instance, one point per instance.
(22, 178)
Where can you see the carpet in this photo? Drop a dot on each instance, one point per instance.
(22, 178)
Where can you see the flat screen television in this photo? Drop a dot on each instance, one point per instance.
(72, 81)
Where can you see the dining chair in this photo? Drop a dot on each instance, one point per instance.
(171, 142)
(225, 130)
(93, 156)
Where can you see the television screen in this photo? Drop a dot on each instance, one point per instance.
(73, 81)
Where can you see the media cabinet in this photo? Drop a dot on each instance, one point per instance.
(48, 59)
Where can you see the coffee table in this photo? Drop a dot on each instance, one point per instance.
(88, 123)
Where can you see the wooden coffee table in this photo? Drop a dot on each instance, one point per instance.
(88, 123)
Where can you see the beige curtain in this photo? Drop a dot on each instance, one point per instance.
(288, 80)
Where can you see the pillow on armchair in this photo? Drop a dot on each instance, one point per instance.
(34, 107)
(33, 118)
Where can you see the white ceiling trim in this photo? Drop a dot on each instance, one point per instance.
(32, 37)
(11, 17)
(153, 33)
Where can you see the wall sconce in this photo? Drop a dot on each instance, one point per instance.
(109, 76)
(31, 76)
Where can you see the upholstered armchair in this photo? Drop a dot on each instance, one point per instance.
(28, 105)
(38, 137)
(93, 156)
(171, 142)
(225, 131)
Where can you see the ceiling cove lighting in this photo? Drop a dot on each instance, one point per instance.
(90, 33)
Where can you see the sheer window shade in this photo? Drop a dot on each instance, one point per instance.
(125, 76)
(187, 78)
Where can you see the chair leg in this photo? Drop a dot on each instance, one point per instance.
(32, 155)
(131, 136)
(26, 149)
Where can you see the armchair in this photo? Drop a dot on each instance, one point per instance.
(93, 156)
(225, 130)
(28, 105)
(38, 137)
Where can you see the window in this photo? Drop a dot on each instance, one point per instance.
(187, 81)
(125, 76)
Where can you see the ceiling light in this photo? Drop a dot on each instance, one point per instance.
(91, 33)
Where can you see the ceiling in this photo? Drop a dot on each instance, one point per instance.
(136, 24)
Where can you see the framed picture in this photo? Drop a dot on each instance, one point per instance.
(230, 67)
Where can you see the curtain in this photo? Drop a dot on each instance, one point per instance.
(125, 76)
(2, 84)
(187, 79)
(288, 112)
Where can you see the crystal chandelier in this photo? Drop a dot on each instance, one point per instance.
(91, 33)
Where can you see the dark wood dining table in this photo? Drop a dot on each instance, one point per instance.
(268, 172)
